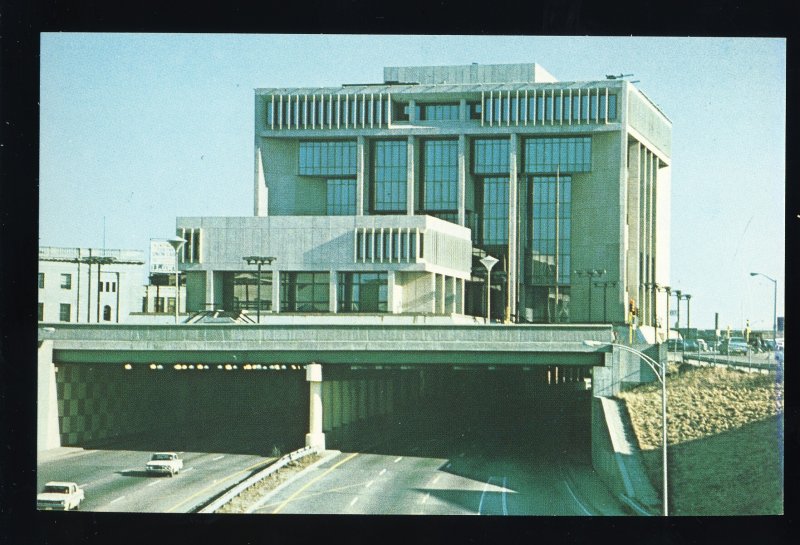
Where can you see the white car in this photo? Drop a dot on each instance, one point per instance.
(60, 496)
(164, 462)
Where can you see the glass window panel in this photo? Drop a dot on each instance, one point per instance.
(593, 107)
(440, 165)
(612, 107)
(584, 107)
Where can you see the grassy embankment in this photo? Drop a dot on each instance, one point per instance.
(725, 431)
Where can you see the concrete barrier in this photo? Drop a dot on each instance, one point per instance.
(247, 483)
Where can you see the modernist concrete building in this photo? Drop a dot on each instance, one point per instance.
(384, 197)
(89, 285)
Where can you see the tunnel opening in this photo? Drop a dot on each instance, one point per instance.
(229, 408)
(511, 411)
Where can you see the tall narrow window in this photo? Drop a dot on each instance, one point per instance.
(107, 313)
(64, 312)
(495, 211)
(40, 312)
(390, 175)
(66, 281)
(542, 203)
(441, 175)
(41, 280)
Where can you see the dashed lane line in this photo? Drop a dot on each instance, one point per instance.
(352, 503)
(398, 459)
(218, 458)
(116, 500)
(369, 483)
(382, 472)
(312, 481)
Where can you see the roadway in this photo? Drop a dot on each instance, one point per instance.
(115, 480)
(488, 464)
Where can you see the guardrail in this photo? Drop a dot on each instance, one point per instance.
(769, 365)
(247, 483)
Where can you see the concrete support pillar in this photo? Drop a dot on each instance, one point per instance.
(276, 291)
(392, 302)
(432, 307)
(260, 186)
(512, 227)
(209, 298)
(333, 292)
(360, 174)
(410, 176)
(462, 179)
(315, 438)
(47, 432)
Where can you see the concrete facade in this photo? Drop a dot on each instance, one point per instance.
(69, 290)
(618, 220)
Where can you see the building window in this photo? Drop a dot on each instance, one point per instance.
(66, 281)
(41, 280)
(390, 176)
(240, 290)
(159, 304)
(491, 156)
(170, 305)
(440, 112)
(363, 292)
(549, 155)
(107, 313)
(65, 312)
(495, 211)
(332, 158)
(475, 109)
(40, 312)
(542, 203)
(341, 197)
(113, 287)
(305, 292)
(440, 168)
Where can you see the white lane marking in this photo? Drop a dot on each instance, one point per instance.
(188, 469)
(382, 472)
(425, 497)
(436, 479)
(369, 484)
(398, 459)
(218, 458)
(574, 497)
(114, 501)
(155, 482)
(354, 501)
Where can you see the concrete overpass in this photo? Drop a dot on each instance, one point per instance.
(102, 381)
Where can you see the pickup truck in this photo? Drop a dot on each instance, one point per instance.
(60, 496)
(164, 462)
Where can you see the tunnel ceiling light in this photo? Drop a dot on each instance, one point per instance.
(152, 366)
(128, 367)
(191, 366)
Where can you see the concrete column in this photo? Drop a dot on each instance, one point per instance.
(360, 175)
(391, 301)
(434, 293)
(209, 298)
(276, 291)
(512, 226)
(47, 432)
(631, 244)
(333, 292)
(462, 179)
(315, 438)
(410, 176)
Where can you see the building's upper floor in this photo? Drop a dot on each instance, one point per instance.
(474, 99)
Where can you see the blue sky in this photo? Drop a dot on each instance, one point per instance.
(141, 128)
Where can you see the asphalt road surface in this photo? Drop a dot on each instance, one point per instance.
(115, 480)
(484, 465)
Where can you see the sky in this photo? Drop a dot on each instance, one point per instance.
(138, 129)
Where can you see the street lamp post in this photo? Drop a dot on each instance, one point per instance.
(688, 318)
(774, 307)
(176, 243)
(488, 262)
(660, 371)
(258, 260)
(678, 294)
(91, 260)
